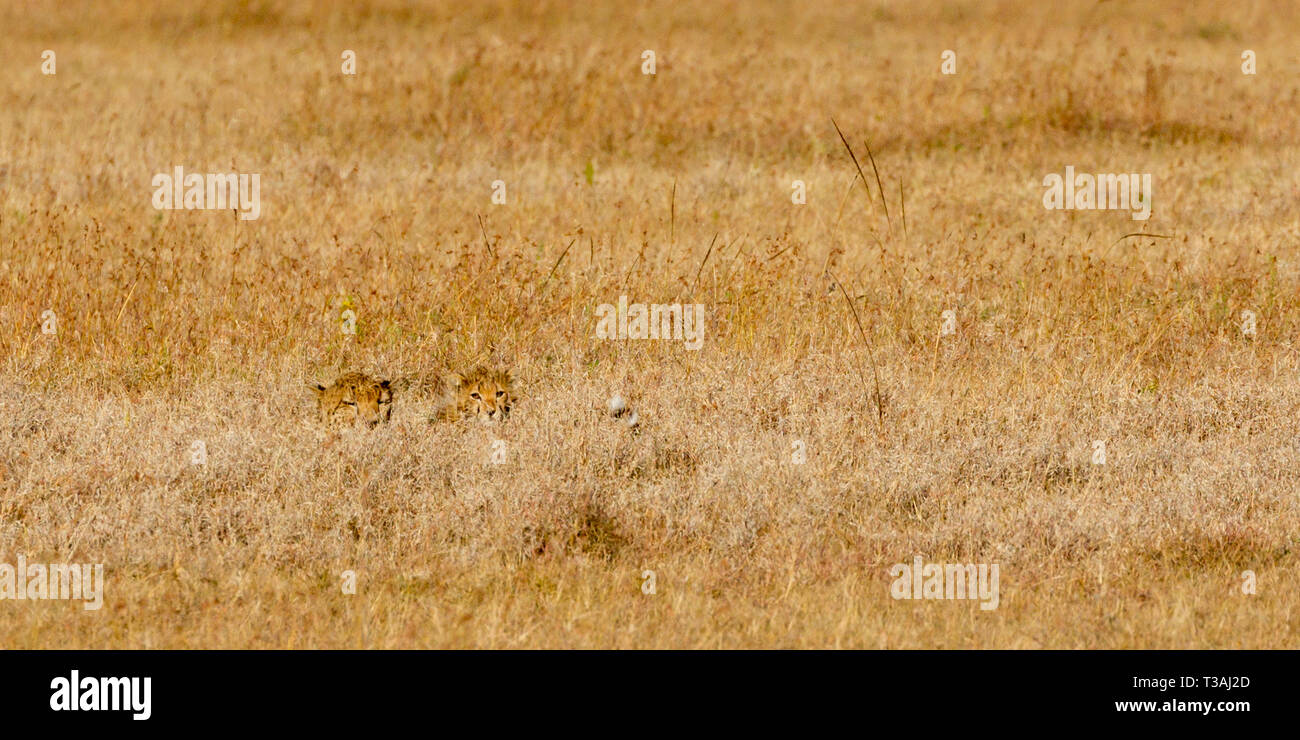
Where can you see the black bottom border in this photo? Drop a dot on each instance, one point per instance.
(734, 690)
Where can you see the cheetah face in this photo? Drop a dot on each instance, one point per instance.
(486, 395)
(355, 398)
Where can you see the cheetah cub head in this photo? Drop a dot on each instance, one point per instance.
(482, 393)
(355, 398)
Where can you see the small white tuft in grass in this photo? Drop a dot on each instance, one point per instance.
(617, 405)
(619, 409)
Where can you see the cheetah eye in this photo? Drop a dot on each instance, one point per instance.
(349, 403)
(474, 396)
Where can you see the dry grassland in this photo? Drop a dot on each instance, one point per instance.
(192, 325)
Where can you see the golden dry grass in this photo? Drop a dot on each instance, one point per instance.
(177, 326)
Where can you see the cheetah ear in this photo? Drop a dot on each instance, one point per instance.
(316, 388)
(455, 380)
